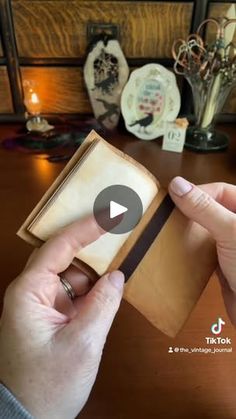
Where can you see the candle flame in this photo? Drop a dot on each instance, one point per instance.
(34, 98)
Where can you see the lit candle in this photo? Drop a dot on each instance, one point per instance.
(33, 103)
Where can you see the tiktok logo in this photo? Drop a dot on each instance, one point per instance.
(216, 328)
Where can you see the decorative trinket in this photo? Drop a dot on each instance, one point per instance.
(106, 72)
(210, 69)
(150, 98)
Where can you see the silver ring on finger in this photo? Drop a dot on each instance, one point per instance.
(68, 288)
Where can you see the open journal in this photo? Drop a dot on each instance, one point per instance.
(166, 259)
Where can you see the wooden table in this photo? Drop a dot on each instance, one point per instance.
(138, 378)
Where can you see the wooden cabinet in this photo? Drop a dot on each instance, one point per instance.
(59, 28)
(47, 41)
(61, 90)
(5, 92)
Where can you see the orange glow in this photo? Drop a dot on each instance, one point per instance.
(45, 172)
(34, 98)
(33, 102)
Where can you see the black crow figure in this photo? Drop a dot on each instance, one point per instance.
(107, 85)
(111, 109)
(144, 122)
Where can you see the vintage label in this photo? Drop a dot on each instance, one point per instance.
(174, 137)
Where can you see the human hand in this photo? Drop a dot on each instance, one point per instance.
(213, 206)
(50, 346)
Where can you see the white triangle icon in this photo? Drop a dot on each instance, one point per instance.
(116, 209)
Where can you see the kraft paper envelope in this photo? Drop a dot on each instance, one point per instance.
(167, 260)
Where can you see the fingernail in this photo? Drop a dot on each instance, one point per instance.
(180, 186)
(117, 279)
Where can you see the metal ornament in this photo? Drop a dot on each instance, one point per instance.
(210, 70)
(192, 56)
(106, 72)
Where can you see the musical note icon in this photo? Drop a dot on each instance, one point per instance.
(216, 328)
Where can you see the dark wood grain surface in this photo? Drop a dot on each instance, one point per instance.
(61, 90)
(5, 92)
(138, 378)
(59, 28)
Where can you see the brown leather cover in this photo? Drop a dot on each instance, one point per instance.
(173, 269)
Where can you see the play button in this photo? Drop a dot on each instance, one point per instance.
(118, 209)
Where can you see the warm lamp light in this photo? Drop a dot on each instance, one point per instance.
(34, 98)
(33, 105)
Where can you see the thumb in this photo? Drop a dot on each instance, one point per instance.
(197, 205)
(99, 307)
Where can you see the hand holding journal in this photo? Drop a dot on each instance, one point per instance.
(167, 260)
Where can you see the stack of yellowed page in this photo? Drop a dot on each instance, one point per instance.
(177, 256)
